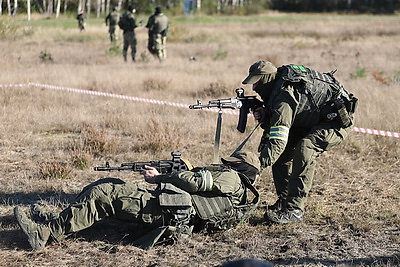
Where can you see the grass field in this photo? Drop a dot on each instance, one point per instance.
(50, 139)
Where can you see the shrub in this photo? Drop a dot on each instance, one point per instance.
(152, 84)
(54, 170)
(92, 141)
(360, 73)
(45, 56)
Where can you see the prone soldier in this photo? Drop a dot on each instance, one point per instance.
(209, 198)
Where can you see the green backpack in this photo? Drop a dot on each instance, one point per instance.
(322, 89)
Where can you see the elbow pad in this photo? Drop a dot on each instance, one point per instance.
(205, 181)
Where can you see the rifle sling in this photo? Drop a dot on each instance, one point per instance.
(245, 140)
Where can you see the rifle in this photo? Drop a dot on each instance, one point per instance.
(162, 166)
(242, 102)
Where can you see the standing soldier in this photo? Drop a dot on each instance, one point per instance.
(81, 20)
(306, 113)
(112, 21)
(127, 23)
(158, 25)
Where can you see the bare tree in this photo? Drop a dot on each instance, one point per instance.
(65, 6)
(88, 8)
(98, 8)
(28, 9)
(108, 6)
(119, 4)
(15, 8)
(103, 6)
(9, 7)
(50, 8)
(58, 8)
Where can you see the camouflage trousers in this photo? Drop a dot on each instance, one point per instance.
(129, 40)
(157, 45)
(111, 31)
(81, 25)
(123, 201)
(293, 172)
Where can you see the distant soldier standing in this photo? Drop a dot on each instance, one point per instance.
(158, 25)
(127, 23)
(81, 20)
(112, 21)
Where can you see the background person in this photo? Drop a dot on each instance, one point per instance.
(158, 26)
(127, 23)
(81, 20)
(112, 22)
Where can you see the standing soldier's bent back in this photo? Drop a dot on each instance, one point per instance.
(158, 26)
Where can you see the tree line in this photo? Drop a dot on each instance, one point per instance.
(175, 7)
(358, 6)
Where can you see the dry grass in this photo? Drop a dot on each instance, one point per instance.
(49, 140)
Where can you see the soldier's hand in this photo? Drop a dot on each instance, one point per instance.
(259, 113)
(149, 174)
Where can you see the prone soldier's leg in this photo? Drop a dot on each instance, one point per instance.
(91, 206)
(123, 201)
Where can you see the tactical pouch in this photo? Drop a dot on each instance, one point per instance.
(177, 203)
(343, 115)
(211, 206)
(352, 104)
(172, 196)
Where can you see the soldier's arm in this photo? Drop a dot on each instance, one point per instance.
(190, 181)
(280, 122)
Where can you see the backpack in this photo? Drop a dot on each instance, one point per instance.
(323, 91)
(123, 22)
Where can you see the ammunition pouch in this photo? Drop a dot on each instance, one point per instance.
(218, 213)
(177, 204)
(343, 109)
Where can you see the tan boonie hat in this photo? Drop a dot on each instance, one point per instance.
(248, 157)
(258, 69)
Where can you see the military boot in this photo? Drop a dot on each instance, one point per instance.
(284, 216)
(278, 205)
(37, 234)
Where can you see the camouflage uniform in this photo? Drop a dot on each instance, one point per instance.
(112, 21)
(176, 207)
(129, 33)
(81, 21)
(158, 26)
(295, 134)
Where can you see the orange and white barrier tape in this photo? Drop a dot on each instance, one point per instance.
(376, 132)
(160, 102)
